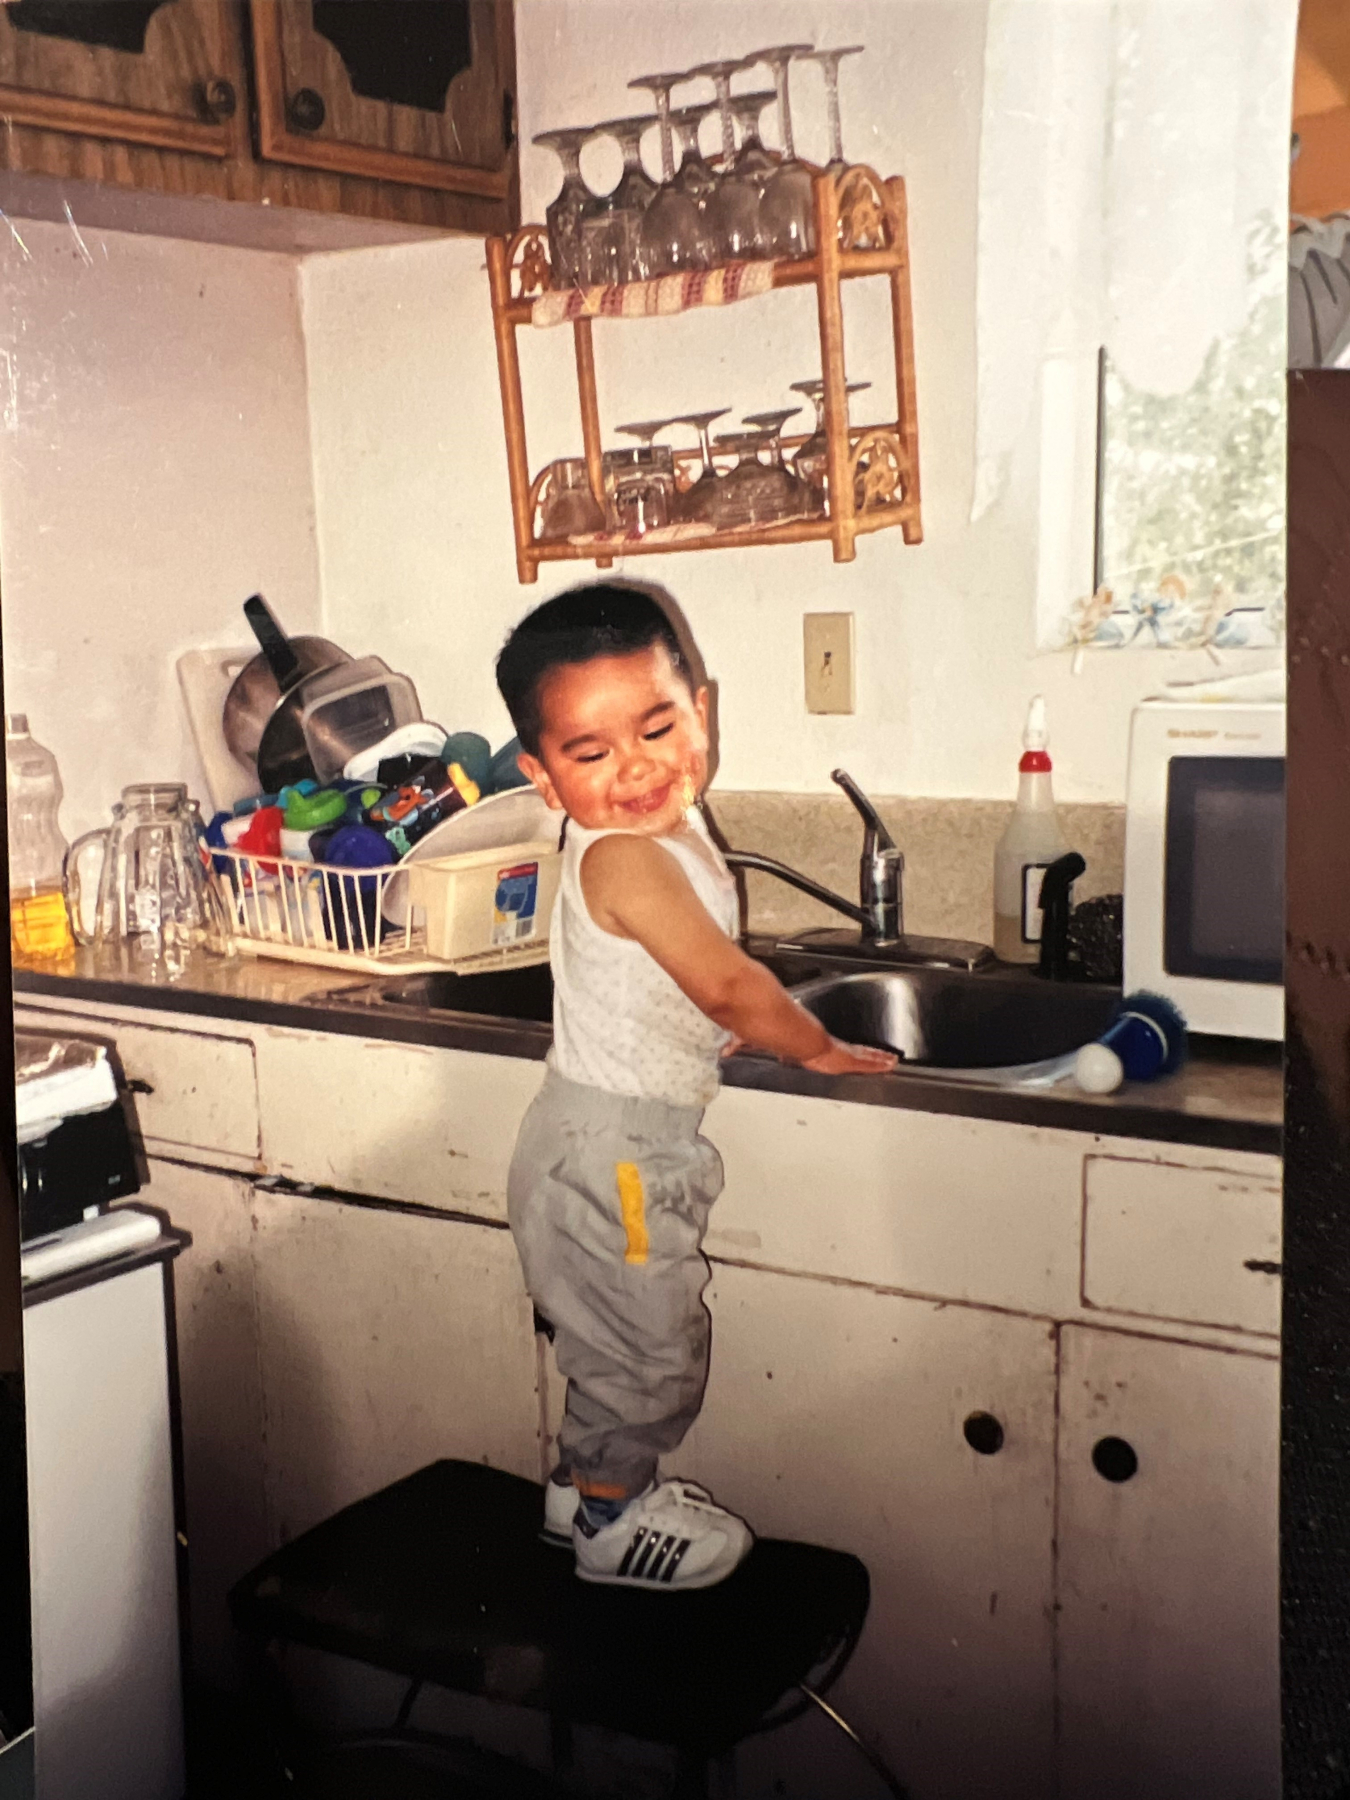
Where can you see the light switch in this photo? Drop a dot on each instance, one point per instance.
(827, 640)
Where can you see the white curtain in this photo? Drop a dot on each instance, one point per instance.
(1128, 148)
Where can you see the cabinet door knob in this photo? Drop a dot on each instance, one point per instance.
(306, 110)
(983, 1433)
(218, 98)
(1114, 1459)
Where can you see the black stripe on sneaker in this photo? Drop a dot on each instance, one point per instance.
(676, 1557)
(639, 1568)
(640, 1537)
(654, 1568)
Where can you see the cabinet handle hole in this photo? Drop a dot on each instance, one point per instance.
(1114, 1459)
(137, 1086)
(306, 111)
(218, 98)
(983, 1433)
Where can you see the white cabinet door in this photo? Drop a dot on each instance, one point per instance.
(1168, 1577)
(220, 1398)
(835, 1414)
(387, 1340)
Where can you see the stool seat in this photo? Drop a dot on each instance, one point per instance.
(442, 1578)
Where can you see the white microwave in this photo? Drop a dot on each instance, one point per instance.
(1204, 862)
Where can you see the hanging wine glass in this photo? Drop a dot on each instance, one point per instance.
(733, 204)
(696, 500)
(829, 61)
(569, 206)
(787, 209)
(753, 161)
(812, 461)
(610, 233)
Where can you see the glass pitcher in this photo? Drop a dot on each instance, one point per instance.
(153, 892)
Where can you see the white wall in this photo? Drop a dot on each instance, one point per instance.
(410, 478)
(154, 472)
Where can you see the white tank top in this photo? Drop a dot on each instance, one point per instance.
(619, 1021)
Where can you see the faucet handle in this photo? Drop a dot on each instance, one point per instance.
(871, 818)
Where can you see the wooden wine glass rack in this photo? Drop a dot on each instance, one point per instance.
(861, 231)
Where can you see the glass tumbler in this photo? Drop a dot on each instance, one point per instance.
(639, 488)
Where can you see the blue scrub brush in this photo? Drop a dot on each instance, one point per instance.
(1146, 1040)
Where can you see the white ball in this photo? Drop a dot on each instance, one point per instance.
(1098, 1070)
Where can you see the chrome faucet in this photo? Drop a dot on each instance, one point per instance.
(881, 871)
(880, 911)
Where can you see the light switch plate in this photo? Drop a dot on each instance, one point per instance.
(827, 643)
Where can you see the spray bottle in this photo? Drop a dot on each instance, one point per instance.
(1031, 842)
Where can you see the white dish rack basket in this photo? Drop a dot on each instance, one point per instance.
(483, 909)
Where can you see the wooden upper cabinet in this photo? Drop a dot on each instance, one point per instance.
(394, 90)
(164, 73)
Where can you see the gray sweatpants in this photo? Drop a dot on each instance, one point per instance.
(608, 1199)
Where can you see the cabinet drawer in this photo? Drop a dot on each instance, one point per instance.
(194, 1092)
(1197, 1245)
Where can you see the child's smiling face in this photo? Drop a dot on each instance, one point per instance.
(623, 743)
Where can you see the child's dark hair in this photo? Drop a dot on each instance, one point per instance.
(602, 618)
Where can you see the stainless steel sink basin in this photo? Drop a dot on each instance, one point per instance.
(496, 993)
(947, 1022)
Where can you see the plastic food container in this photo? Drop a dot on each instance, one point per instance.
(486, 902)
(348, 708)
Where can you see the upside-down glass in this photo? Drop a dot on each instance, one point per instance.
(812, 461)
(697, 500)
(610, 232)
(639, 488)
(733, 205)
(829, 61)
(659, 87)
(754, 492)
(787, 208)
(675, 234)
(798, 498)
(695, 178)
(570, 205)
(752, 159)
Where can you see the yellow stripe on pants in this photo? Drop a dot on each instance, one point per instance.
(633, 1206)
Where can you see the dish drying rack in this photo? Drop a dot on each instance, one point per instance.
(335, 917)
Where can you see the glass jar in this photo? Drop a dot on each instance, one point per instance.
(639, 488)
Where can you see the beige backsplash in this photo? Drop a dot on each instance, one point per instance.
(948, 846)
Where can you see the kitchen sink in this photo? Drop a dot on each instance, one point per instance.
(947, 1022)
(940, 1021)
(495, 993)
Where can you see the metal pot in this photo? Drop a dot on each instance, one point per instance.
(262, 708)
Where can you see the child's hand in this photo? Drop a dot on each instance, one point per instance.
(732, 1045)
(851, 1059)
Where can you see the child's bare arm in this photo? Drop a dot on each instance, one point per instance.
(635, 889)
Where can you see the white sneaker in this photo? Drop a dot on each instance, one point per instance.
(673, 1537)
(560, 1508)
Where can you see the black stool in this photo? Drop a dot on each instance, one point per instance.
(442, 1578)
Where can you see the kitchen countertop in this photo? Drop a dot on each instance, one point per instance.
(1229, 1095)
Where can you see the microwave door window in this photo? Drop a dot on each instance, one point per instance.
(1224, 882)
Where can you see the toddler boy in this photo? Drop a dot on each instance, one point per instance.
(611, 1183)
